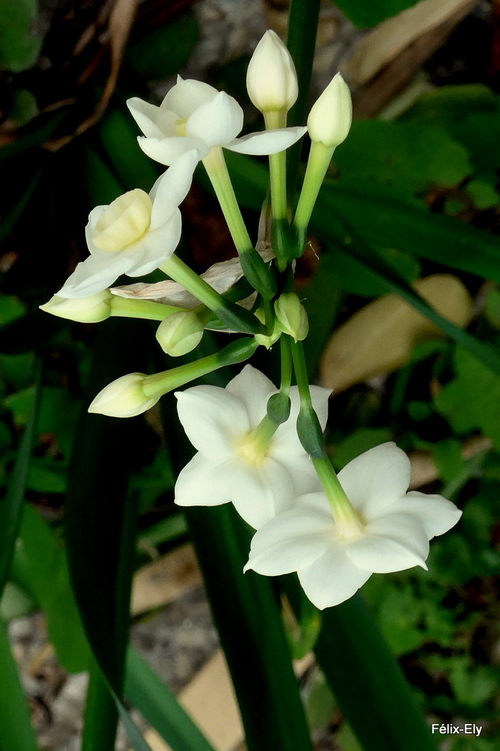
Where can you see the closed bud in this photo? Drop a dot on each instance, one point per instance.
(271, 77)
(124, 397)
(180, 333)
(91, 309)
(330, 118)
(264, 340)
(291, 316)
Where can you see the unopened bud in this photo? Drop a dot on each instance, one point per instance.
(91, 309)
(180, 333)
(271, 77)
(124, 397)
(262, 339)
(291, 316)
(330, 118)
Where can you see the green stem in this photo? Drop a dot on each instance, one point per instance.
(233, 316)
(319, 159)
(277, 168)
(286, 365)
(129, 307)
(216, 168)
(101, 714)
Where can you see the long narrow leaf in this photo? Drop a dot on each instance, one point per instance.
(16, 733)
(147, 692)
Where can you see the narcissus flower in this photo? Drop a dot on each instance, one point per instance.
(194, 115)
(260, 474)
(271, 77)
(134, 234)
(389, 531)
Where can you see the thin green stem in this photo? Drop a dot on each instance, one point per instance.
(286, 365)
(299, 364)
(129, 307)
(317, 165)
(277, 168)
(217, 171)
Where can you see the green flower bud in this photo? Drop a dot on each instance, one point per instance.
(180, 333)
(262, 339)
(291, 316)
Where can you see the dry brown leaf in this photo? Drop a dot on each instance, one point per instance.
(162, 581)
(387, 40)
(378, 339)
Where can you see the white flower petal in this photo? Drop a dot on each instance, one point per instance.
(167, 150)
(267, 141)
(332, 579)
(254, 390)
(216, 122)
(376, 479)
(95, 274)
(171, 188)
(290, 542)
(187, 95)
(155, 122)
(301, 470)
(259, 493)
(204, 482)
(394, 542)
(213, 419)
(156, 246)
(437, 514)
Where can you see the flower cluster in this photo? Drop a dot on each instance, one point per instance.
(258, 447)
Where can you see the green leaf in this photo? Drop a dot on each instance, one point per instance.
(472, 399)
(369, 14)
(46, 475)
(147, 692)
(16, 733)
(357, 442)
(40, 568)
(11, 505)
(358, 281)
(406, 157)
(483, 194)
(19, 45)
(165, 50)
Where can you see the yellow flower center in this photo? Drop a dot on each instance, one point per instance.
(123, 222)
(180, 124)
(251, 450)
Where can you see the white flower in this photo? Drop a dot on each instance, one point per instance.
(92, 309)
(194, 115)
(231, 465)
(334, 560)
(271, 77)
(134, 234)
(330, 117)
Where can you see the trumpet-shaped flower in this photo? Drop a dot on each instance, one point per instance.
(135, 234)
(390, 530)
(233, 463)
(194, 115)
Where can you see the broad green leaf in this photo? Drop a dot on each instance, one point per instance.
(165, 50)
(358, 281)
(405, 157)
(15, 603)
(19, 43)
(365, 14)
(358, 442)
(447, 106)
(472, 400)
(147, 692)
(16, 733)
(40, 568)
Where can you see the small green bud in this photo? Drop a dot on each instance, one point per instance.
(278, 408)
(258, 273)
(263, 339)
(90, 309)
(180, 333)
(292, 316)
(310, 433)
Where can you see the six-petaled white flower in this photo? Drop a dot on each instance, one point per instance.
(194, 115)
(231, 464)
(134, 234)
(390, 530)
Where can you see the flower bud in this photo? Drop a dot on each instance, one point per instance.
(262, 339)
(291, 316)
(271, 77)
(124, 397)
(91, 309)
(330, 118)
(180, 333)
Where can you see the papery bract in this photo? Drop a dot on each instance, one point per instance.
(135, 234)
(194, 115)
(333, 560)
(230, 465)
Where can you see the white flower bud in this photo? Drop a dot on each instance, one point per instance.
(90, 309)
(330, 118)
(291, 316)
(180, 333)
(124, 397)
(271, 77)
